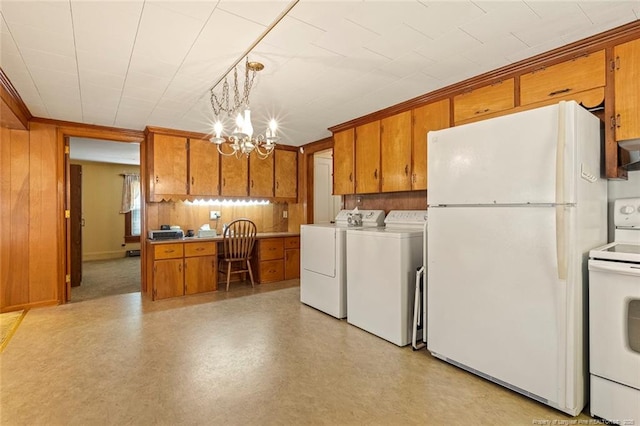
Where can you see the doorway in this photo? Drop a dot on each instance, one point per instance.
(102, 261)
(325, 205)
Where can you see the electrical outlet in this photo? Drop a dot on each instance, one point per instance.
(214, 214)
(285, 214)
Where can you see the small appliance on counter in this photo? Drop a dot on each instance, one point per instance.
(165, 234)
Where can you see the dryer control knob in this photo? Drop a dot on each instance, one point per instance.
(627, 209)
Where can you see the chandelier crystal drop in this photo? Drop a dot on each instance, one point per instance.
(242, 141)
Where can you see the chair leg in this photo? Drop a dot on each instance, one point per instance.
(250, 273)
(228, 274)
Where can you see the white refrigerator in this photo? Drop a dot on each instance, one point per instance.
(515, 204)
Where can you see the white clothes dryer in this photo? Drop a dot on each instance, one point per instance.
(323, 254)
(381, 271)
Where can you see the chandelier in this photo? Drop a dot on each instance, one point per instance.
(241, 141)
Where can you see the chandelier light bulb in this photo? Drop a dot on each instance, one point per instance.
(247, 127)
(239, 123)
(217, 128)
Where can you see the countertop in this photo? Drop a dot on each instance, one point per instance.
(259, 236)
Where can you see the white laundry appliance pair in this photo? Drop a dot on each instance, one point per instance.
(323, 262)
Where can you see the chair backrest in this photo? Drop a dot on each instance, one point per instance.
(238, 239)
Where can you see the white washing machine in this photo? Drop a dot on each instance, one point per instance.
(323, 250)
(614, 319)
(381, 272)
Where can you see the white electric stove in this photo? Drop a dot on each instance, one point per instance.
(614, 319)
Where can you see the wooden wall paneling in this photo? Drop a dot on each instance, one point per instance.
(43, 244)
(16, 289)
(407, 200)
(13, 113)
(5, 215)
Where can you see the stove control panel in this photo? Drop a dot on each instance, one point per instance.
(626, 213)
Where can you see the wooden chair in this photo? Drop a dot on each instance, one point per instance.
(238, 240)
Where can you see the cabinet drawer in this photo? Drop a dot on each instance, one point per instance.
(272, 270)
(167, 251)
(291, 243)
(485, 100)
(565, 78)
(272, 248)
(199, 249)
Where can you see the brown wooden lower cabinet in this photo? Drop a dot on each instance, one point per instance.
(277, 259)
(183, 268)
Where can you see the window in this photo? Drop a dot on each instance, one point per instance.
(131, 208)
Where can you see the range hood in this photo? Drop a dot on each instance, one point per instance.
(632, 146)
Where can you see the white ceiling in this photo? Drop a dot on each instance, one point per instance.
(135, 63)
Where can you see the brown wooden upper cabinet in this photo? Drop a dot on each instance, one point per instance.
(434, 116)
(573, 76)
(286, 173)
(627, 90)
(485, 100)
(260, 176)
(343, 162)
(367, 168)
(234, 176)
(395, 147)
(204, 168)
(168, 167)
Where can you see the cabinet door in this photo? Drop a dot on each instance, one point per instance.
(272, 248)
(204, 168)
(343, 162)
(168, 279)
(286, 173)
(271, 271)
(169, 168)
(234, 176)
(429, 117)
(485, 100)
(627, 90)
(260, 176)
(291, 264)
(569, 77)
(200, 274)
(395, 156)
(368, 158)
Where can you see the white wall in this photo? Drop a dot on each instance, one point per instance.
(622, 189)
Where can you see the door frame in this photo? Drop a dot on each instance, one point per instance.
(308, 153)
(64, 132)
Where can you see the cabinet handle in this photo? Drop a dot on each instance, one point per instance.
(482, 112)
(557, 92)
(277, 184)
(617, 63)
(169, 251)
(406, 170)
(200, 249)
(252, 183)
(618, 121)
(375, 173)
(180, 267)
(224, 182)
(350, 177)
(157, 179)
(192, 180)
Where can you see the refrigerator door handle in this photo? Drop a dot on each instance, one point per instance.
(561, 240)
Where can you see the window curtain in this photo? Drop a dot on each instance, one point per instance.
(130, 193)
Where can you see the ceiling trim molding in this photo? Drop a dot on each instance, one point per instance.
(12, 100)
(70, 128)
(319, 145)
(622, 34)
